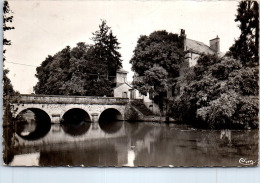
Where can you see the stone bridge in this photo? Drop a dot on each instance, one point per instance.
(57, 107)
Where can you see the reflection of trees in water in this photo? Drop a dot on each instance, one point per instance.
(141, 137)
(198, 148)
(225, 135)
(93, 153)
(148, 144)
(131, 128)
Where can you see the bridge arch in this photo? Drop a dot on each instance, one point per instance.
(32, 126)
(76, 116)
(35, 110)
(110, 120)
(110, 114)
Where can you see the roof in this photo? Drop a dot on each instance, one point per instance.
(122, 84)
(121, 70)
(198, 47)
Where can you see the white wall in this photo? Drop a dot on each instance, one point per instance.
(193, 60)
(151, 105)
(121, 77)
(118, 91)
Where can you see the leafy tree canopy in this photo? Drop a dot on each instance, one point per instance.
(246, 46)
(7, 85)
(82, 70)
(156, 61)
(221, 95)
(7, 19)
(223, 92)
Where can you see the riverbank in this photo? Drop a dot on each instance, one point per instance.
(154, 118)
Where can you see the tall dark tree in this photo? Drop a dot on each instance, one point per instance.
(156, 63)
(82, 70)
(107, 45)
(8, 137)
(246, 46)
(7, 19)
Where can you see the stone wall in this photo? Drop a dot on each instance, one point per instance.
(132, 114)
(56, 111)
(56, 99)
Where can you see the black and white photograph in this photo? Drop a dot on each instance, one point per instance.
(130, 83)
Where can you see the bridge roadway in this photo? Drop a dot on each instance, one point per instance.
(56, 106)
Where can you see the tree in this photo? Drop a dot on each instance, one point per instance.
(219, 93)
(7, 90)
(156, 62)
(246, 46)
(7, 85)
(107, 47)
(82, 70)
(7, 18)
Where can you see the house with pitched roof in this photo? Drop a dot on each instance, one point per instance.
(122, 88)
(196, 48)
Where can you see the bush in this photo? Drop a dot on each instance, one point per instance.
(221, 94)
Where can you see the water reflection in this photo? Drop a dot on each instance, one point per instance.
(226, 135)
(76, 129)
(130, 157)
(131, 128)
(32, 124)
(111, 127)
(88, 154)
(136, 144)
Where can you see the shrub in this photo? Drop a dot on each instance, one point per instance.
(220, 94)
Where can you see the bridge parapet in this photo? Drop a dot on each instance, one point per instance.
(60, 99)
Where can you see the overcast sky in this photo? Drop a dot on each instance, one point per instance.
(43, 28)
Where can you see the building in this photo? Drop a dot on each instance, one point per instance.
(196, 48)
(122, 88)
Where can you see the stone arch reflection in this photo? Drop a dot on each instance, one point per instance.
(32, 124)
(76, 122)
(76, 129)
(110, 120)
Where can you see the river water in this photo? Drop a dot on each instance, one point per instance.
(128, 144)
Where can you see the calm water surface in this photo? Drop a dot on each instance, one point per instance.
(127, 144)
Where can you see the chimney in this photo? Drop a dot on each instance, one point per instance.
(184, 38)
(214, 44)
